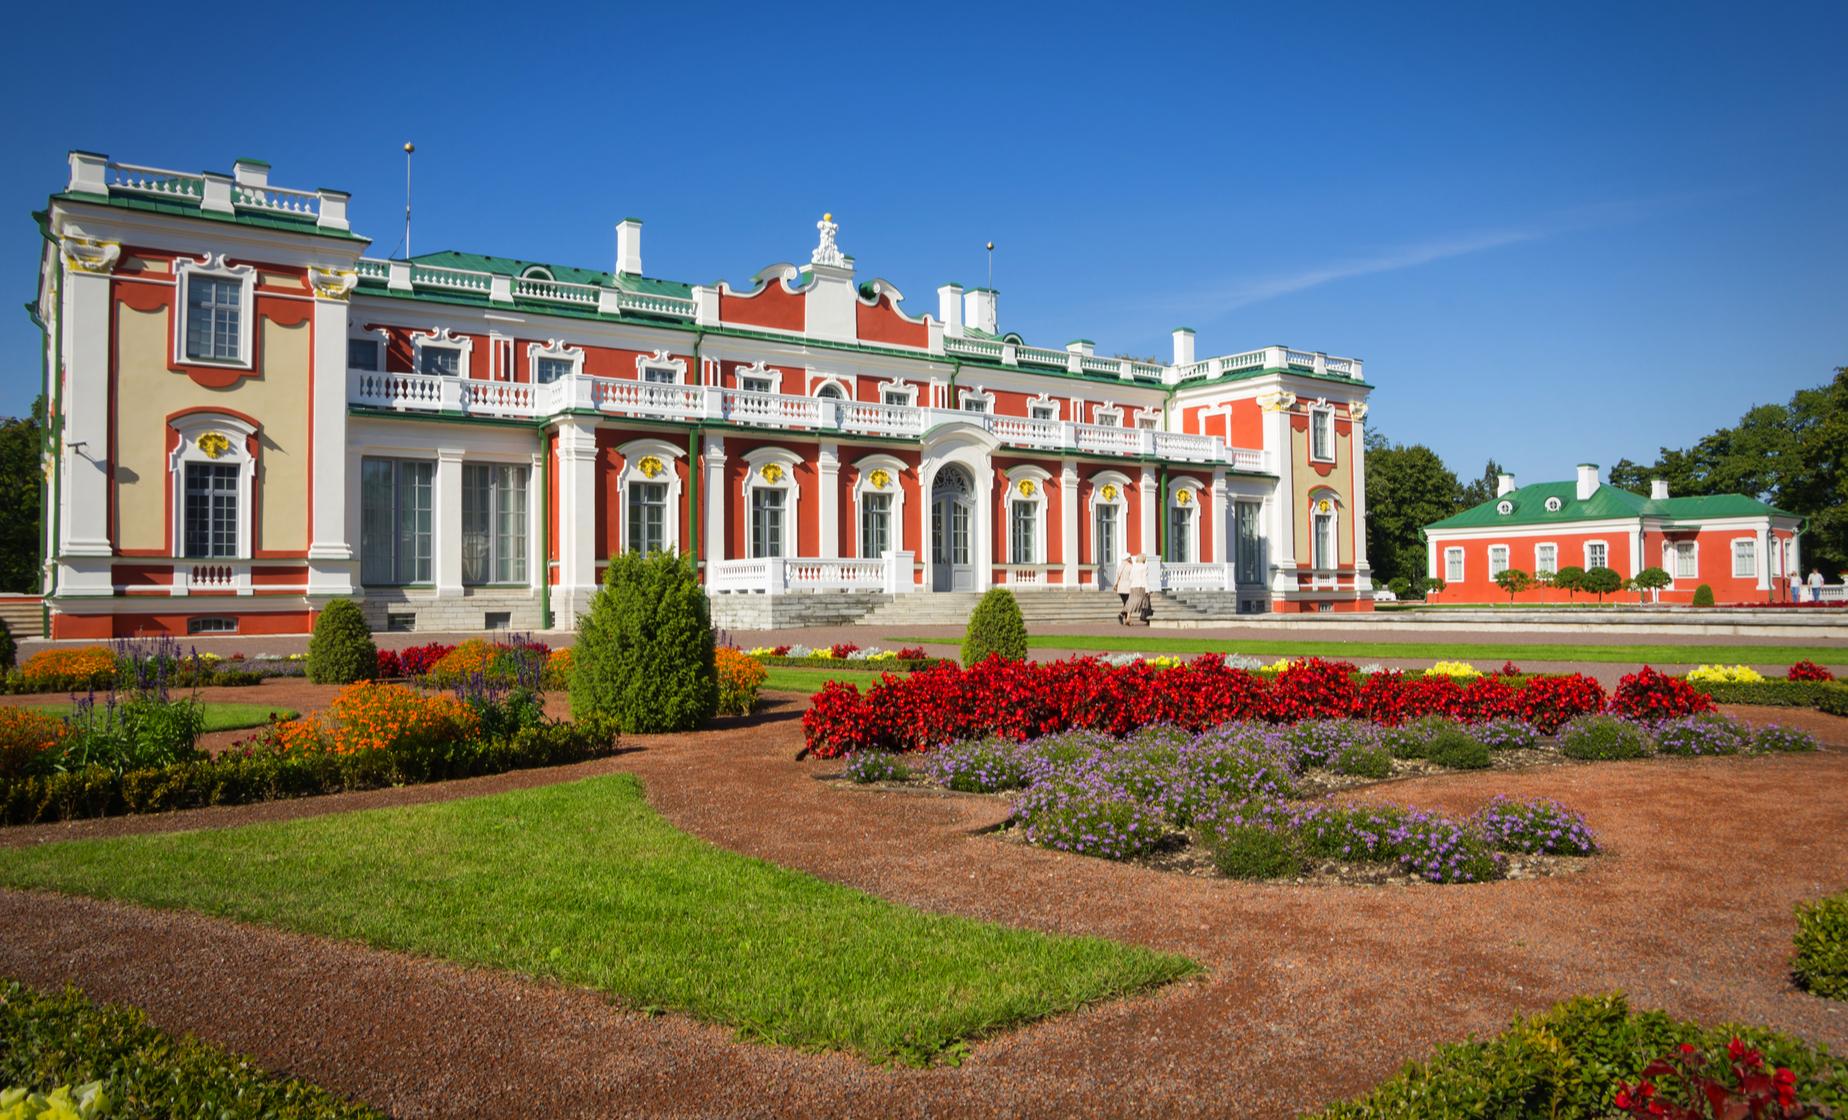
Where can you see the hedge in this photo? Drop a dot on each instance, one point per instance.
(1774, 693)
(48, 1040)
(1821, 964)
(270, 775)
(1565, 1063)
(885, 665)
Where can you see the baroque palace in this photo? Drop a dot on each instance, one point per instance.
(250, 416)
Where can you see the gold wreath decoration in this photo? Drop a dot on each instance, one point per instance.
(1324, 506)
(213, 444)
(1110, 492)
(772, 473)
(1183, 496)
(1027, 488)
(879, 478)
(650, 466)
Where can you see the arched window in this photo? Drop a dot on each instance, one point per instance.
(1026, 515)
(649, 489)
(879, 506)
(212, 466)
(1185, 496)
(771, 497)
(1324, 531)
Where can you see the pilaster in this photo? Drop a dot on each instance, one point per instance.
(1068, 521)
(718, 502)
(1363, 571)
(577, 523)
(330, 552)
(828, 512)
(84, 463)
(446, 523)
(1150, 509)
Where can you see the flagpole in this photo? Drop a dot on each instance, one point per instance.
(408, 149)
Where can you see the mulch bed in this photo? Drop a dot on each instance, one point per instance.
(1311, 993)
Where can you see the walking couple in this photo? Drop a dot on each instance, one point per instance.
(1132, 584)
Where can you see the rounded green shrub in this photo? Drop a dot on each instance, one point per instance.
(644, 653)
(1253, 852)
(1364, 762)
(995, 628)
(1703, 596)
(1821, 966)
(341, 650)
(1602, 739)
(1456, 749)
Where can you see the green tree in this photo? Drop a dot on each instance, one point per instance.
(1648, 580)
(341, 650)
(22, 441)
(644, 656)
(995, 628)
(1513, 581)
(1569, 579)
(1407, 489)
(1601, 582)
(1483, 489)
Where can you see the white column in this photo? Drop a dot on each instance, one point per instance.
(1636, 549)
(88, 334)
(1151, 506)
(985, 526)
(1214, 529)
(718, 504)
(1068, 521)
(577, 518)
(330, 551)
(446, 523)
(1283, 504)
(1764, 557)
(1363, 571)
(828, 515)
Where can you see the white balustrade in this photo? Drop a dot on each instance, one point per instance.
(834, 575)
(130, 178)
(1189, 447)
(215, 577)
(399, 391)
(772, 410)
(742, 575)
(1023, 431)
(1196, 576)
(1027, 578)
(278, 200)
(498, 398)
(1246, 459)
(1107, 439)
(450, 279)
(647, 398)
(555, 291)
(868, 418)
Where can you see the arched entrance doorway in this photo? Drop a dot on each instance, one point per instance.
(952, 518)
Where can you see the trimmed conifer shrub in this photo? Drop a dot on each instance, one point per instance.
(995, 627)
(341, 650)
(644, 654)
(1703, 596)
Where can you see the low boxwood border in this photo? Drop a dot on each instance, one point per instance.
(885, 665)
(48, 1040)
(1826, 696)
(269, 775)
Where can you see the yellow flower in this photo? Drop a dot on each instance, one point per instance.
(1453, 669)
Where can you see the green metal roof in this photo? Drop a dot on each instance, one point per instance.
(1607, 503)
(511, 266)
(305, 224)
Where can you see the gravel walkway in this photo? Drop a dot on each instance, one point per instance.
(1313, 992)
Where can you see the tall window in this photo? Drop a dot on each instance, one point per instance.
(214, 319)
(1546, 559)
(1686, 563)
(1745, 558)
(766, 522)
(493, 523)
(1250, 547)
(648, 517)
(1021, 522)
(1180, 534)
(875, 525)
(1596, 554)
(211, 510)
(363, 353)
(1321, 434)
(1498, 560)
(394, 520)
(1105, 545)
(1322, 539)
(443, 360)
(1453, 565)
(548, 370)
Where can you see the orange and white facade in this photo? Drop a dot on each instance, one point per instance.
(250, 417)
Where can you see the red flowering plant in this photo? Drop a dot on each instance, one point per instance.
(1807, 670)
(1678, 1087)
(389, 667)
(1488, 698)
(842, 649)
(1313, 689)
(1549, 703)
(838, 721)
(415, 661)
(1652, 697)
(909, 653)
(1508, 669)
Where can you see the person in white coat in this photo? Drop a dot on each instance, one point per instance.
(1815, 586)
(1137, 610)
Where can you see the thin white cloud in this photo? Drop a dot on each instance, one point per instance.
(1410, 256)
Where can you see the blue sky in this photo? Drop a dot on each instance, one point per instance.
(1555, 232)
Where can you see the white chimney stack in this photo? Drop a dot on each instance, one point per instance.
(979, 308)
(1587, 480)
(1183, 346)
(629, 246)
(1658, 489)
(1504, 484)
(950, 309)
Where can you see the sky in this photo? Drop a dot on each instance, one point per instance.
(1555, 232)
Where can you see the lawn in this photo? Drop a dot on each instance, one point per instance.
(583, 883)
(786, 678)
(1481, 652)
(218, 717)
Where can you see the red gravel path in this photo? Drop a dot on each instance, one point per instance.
(1313, 992)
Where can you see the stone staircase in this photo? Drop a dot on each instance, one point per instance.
(1037, 609)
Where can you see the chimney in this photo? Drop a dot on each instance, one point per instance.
(1183, 346)
(979, 307)
(1658, 489)
(1587, 480)
(629, 246)
(1504, 484)
(950, 309)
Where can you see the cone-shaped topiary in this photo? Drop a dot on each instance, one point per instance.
(995, 628)
(341, 650)
(1703, 596)
(644, 654)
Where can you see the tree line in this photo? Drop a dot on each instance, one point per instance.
(1794, 456)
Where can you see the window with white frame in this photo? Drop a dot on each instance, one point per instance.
(875, 525)
(1453, 565)
(1148, 421)
(894, 396)
(493, 523)
(975, 400)
(770, 503)
(1498, 560)
(1022, 521)
(1684, 559)
(211, 472)
(1546, 559)
(211, 514)
(1322, 435)
(649, 485)
(661, 375)
(660, 368)
(1250, 542)
(1322, 537)
(554, 361)
(441, 353)
(395, 501)
(1180, 535)
(548, 370)
(1597, 555)
(1108, 416)
(1745, 558)
(754, 382)
(441, 360)
(830, 391)
(647, 514)
(1042, 410)
(364, 353)
(767, 522)
(216, 302)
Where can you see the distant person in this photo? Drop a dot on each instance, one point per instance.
(1815, 584)
(1796, 587)
(1137, 610)
(1121, 587)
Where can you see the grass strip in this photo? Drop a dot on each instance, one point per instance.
(583, 883)
(1732, 654)
(218, 716)
(783, 678)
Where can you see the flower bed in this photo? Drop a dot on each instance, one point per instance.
(910, 659)
(141, 663)
(740, 677)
